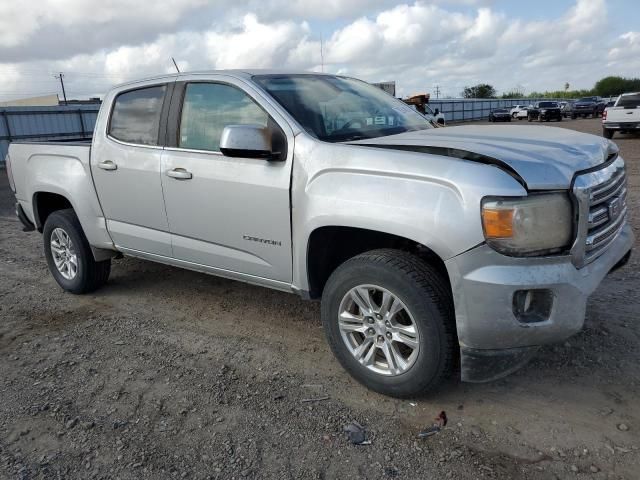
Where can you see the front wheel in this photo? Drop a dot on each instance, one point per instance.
(388, 318)
(69, 255)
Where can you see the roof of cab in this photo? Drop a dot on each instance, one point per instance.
(242, 73)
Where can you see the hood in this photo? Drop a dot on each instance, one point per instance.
(542, 158)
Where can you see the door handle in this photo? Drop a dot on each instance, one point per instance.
(107, 165)
(180, 174)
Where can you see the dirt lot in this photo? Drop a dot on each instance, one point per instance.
(167, 373)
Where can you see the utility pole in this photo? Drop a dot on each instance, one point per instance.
(437, 89)
(61, 77)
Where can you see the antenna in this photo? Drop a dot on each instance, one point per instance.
(175, 64)
(321, 54)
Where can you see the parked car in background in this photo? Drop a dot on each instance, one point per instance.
(517, 109)
(500, 115)
(586, 106)
(544, 111)
(567, 108)
(435, 116)
(434, 251)
(521, 114)
(623, 117)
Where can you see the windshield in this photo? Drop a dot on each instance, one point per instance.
(587, 99)
(548, 104)
(629, 101)
(338, 109)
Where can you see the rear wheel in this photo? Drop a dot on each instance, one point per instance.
(606, 133)
(69, 255)
(388, 317)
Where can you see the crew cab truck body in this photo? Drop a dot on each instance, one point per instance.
(545, 111)
(593, 106)
(428, 247)
(623, 116)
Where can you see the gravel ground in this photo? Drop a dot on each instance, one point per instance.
(166, 373)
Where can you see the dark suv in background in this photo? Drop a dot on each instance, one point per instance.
(593, 106)
(544, 111)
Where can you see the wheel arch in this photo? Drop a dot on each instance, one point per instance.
(45, 203)
(329, 246)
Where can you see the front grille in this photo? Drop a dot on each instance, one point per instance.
(602, 200)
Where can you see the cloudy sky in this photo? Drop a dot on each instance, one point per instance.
(534, 45)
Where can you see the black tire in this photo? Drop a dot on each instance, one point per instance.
(560, 118)
(573, 117)
(529, 118)
(90, 274)
(606, 133)
(424, 292)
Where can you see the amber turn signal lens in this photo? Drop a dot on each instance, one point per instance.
(497, 223)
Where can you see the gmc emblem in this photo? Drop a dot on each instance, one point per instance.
(614, 207)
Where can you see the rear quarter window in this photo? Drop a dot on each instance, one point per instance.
(629, 101)
(135, 117)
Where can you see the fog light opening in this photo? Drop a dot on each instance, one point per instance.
(533, 306)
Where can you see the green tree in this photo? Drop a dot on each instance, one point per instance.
(482, 90)
(610, 86)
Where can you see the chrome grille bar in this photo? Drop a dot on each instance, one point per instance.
(602, 210)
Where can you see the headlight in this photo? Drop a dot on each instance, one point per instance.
(538, 224)
(543, 111)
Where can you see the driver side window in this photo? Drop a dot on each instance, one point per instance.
(208, 108)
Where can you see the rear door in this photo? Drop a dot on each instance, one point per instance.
(229, 214)
(126, 169)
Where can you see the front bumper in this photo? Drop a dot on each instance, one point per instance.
(484, 283)
(554, 114)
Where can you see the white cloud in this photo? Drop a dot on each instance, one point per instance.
(419, 44)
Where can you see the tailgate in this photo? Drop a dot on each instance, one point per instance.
(621, 114)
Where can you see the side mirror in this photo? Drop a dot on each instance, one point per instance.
(248, 141)
(437, 111)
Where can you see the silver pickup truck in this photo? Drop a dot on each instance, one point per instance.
(435, 251)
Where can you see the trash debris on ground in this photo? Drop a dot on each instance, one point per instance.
(317, 399)
(439, 424)
(356, 434)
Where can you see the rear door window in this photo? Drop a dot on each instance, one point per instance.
(136, 115)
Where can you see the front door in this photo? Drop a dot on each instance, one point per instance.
(231, 214)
